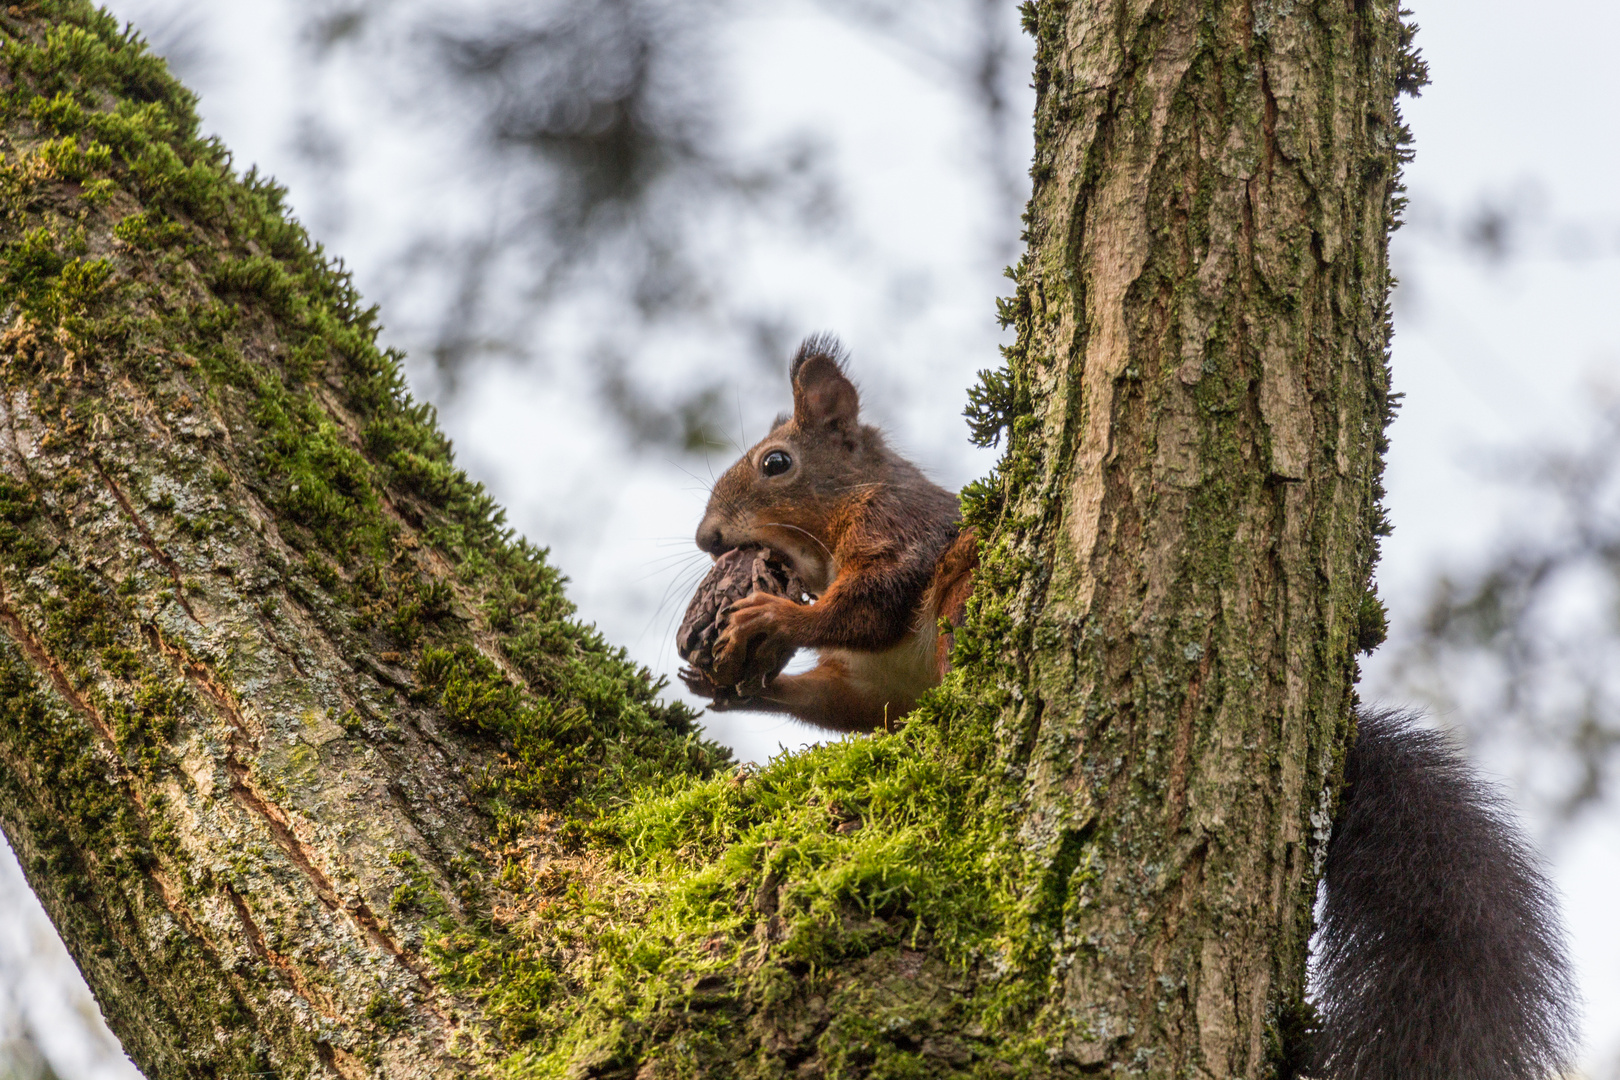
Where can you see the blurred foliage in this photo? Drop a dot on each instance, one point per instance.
(1520, 645)
(612, 182)
(1524, 645)
(20, 1055)
(1506, 224)
(20, 1059)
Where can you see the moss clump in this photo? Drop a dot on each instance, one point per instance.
(21, 545)
(1372, 622)
(417, 894)
(781, 915)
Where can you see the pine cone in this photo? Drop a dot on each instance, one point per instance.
(738, 573)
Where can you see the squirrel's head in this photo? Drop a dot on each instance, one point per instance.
(799, 487)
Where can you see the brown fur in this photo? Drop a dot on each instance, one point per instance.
(876, 541)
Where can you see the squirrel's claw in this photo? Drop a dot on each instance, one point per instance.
(751, 622)
(721, 698)
(699, 683)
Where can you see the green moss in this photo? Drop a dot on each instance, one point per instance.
(387, 1012)
(86, 49)
(68, 160)
(80, 616)
(1372, 622)
(417, 894)
(33, 261)
(863, 852)
(22, 546)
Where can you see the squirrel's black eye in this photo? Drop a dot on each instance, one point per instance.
(776, 463)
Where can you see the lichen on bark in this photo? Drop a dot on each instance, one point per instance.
(1187, 520)
(312, 766)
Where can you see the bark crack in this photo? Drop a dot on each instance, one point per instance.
(342, 1062)
(1181, 755)
(150, 544)
(280, 827)
(167, 894)
(322, 1003)
(202, 676)
(1268, 121)
(52, 670)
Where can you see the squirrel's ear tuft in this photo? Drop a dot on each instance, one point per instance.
(823, 396)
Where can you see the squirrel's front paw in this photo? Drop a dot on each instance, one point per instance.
(699, 683)
(721, 698)
(756, 641)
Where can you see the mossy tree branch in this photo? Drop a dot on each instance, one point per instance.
(311, 766)
(285, 708)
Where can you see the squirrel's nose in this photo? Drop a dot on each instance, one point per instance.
(710, 537)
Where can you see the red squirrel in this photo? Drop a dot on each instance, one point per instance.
(1438, 955)
(877, 543)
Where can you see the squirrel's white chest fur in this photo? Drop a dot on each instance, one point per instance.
(897, 675)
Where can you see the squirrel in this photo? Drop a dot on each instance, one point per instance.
(1439, 953)
(877, 543)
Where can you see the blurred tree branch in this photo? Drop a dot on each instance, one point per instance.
(607, 170)
(1526, 643)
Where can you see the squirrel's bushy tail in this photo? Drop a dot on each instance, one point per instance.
(1440, 954)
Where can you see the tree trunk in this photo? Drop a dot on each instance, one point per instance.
(1202, 350)
(316, 775)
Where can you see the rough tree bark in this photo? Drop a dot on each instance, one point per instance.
(1202, 350)
(316, 775)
